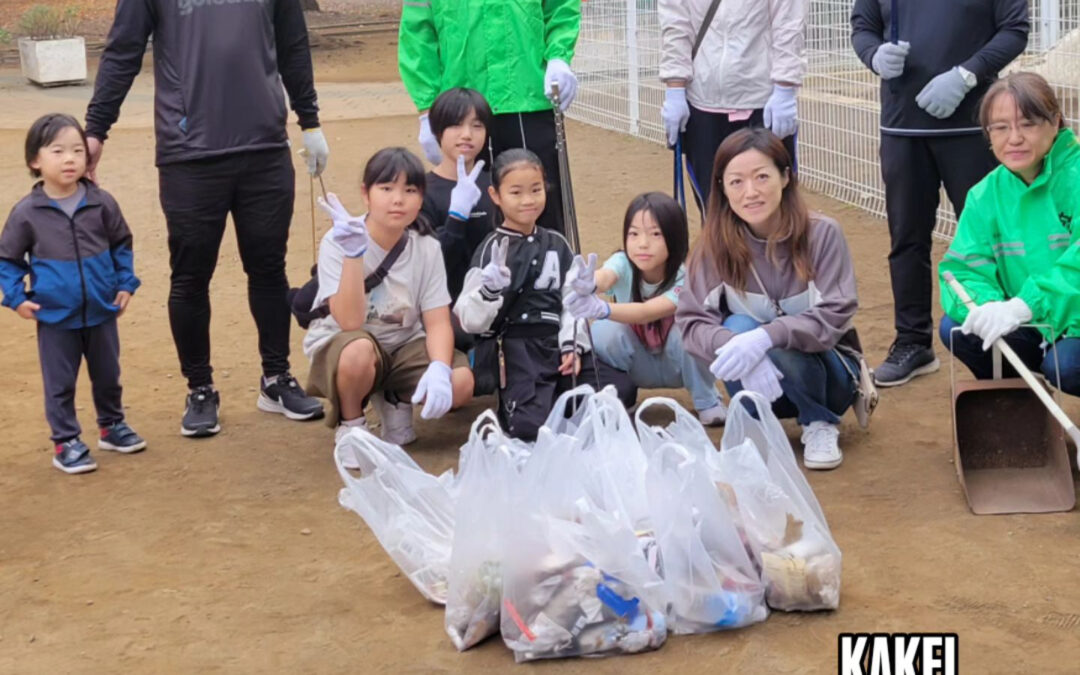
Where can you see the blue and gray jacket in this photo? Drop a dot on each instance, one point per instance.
(77, 265)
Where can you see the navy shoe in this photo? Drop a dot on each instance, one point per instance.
(201, 413)
(906, 360)
(286, 397)
(119, 437)
(73, 457)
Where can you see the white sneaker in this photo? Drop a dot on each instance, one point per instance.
(349, 461)
(820, 448)
(714, 416)
(395, 421)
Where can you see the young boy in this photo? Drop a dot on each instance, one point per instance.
(71, 238)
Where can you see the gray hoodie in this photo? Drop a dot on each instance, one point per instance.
(815, 316)
(219, 67)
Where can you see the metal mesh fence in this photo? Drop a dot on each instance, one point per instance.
(618, 57)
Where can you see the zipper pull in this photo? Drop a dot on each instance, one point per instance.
(502, 363)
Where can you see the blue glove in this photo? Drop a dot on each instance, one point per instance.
(888, 60)
(941, 95)
(781, 111)
(740, 354)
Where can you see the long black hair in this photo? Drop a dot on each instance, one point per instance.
(671, 220)
(386, 165)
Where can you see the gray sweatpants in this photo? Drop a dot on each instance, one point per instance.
(61, 351)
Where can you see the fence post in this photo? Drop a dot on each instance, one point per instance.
(1050, 18)
(632, 66)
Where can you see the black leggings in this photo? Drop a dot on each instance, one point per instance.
(257, 188)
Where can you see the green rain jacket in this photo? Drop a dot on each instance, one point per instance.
(498, 47)
(1016, 240)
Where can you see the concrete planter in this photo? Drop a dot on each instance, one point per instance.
(53, 62)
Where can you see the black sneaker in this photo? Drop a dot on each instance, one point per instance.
(73, 457)
(201, 415)
(120, 437)
(286, 397)
(905, 361)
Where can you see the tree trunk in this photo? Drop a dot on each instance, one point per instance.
(310, 5)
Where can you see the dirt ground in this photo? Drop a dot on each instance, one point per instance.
(231, 554)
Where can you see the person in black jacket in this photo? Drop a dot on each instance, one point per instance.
(222, 147)
(456, 200)
(933, 75)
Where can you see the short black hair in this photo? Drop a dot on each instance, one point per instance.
(387, 164)
(453, 106)
(671, 220)
(44, 131)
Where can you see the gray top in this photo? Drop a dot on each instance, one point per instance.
(69, 204)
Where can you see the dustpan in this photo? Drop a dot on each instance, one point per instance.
(1009, 440)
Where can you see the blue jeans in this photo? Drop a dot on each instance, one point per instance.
(616, 345)
(1027, 343)
(817, 386)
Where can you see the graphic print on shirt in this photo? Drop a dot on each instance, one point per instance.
(550, 276)
(389, 304)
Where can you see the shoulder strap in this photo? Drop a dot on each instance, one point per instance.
(709, 16)
(372, 281)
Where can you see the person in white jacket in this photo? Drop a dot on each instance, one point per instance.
(741, 69)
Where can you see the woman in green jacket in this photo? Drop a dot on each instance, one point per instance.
(1016, 251)
(511, 52)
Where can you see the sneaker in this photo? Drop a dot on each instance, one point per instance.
(286, 397)
(395, 421)
(714, 416)
(73, 457)
(820, 448)
(120, 437)
(201, 414)
(905, 361)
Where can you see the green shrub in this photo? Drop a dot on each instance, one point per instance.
(42, 22)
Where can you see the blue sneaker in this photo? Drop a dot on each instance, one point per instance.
(119, 437)
(73, 457)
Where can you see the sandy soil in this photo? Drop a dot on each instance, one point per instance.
(231, 554)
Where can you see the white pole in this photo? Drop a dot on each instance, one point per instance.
(632, 65)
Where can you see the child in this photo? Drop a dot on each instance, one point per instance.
(513, 298)
(396, 339)
(71, 238)
(456, 200)
(634, 332)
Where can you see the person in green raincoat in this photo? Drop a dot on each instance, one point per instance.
(1017, 245)
(511, 51)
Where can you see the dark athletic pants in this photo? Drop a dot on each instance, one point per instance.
(536, 132)
(913, 168)
(705, 131)
(257, 188)
(61, 351)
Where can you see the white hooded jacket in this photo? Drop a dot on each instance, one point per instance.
(750, 45)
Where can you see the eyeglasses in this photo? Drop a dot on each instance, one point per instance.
(1001, 130)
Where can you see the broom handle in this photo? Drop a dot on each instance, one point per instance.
(1020, 367)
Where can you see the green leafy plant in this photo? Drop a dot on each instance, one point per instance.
(42, 22)
(5, 37)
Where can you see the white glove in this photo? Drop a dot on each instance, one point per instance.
(496, 275)
(316, 151)
(465, 194)
(888, 60)
(741, 353)
(764, 378)
(428, 142)
(437, 388)
(675, 113)
(943, 94)
(558, 72)
(781, 111)
(348, 231)
(583, 275)
(992, 320)
(587, 306)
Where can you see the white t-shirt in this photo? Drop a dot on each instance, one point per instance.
(622, 291)
(415, 284)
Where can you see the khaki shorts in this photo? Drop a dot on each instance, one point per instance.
(397, 372)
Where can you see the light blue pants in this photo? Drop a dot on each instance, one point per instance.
(616, 345)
